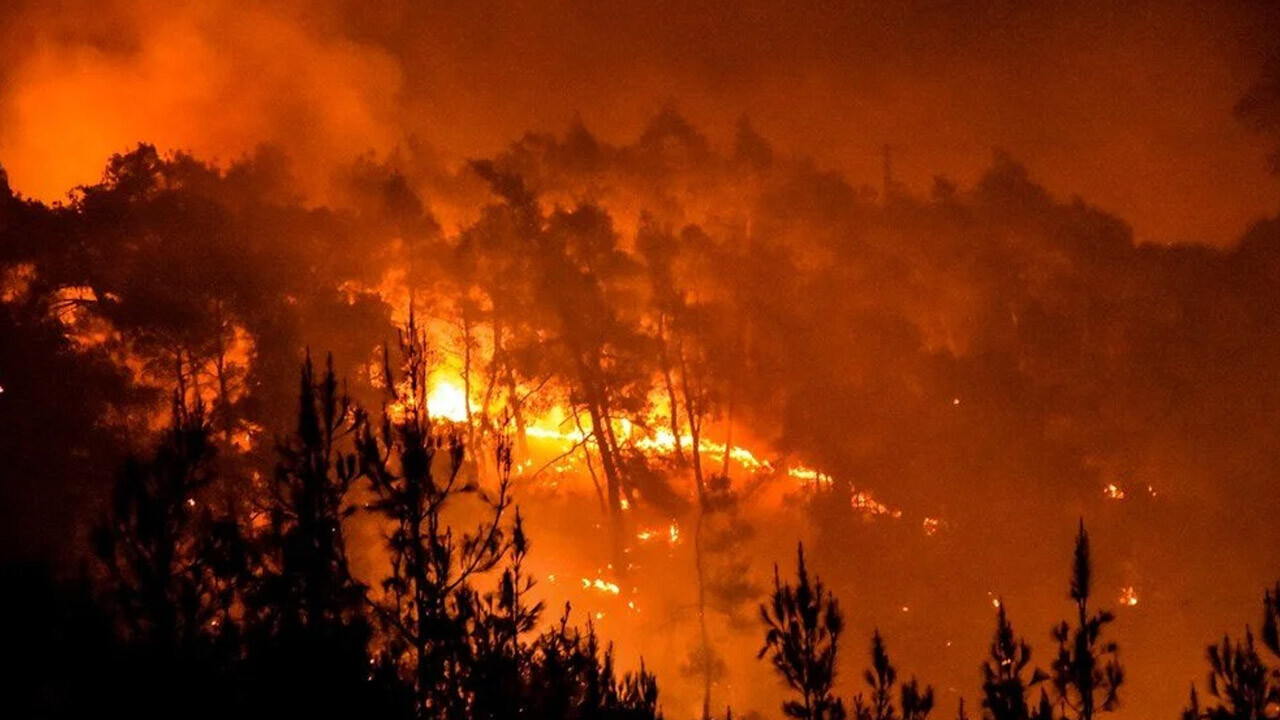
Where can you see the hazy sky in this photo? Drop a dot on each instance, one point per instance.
(1131, 108)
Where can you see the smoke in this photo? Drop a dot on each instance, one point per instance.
(90, 79)
(1130, 106)
(979, 348)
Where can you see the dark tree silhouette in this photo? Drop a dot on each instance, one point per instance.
(500, 680)
(1242, 683)
(308, 631)
(803, 625)
(1086, 675)
(1004, 682)
(428, 603)
(170, 569)
(572, 677)
(881, 677)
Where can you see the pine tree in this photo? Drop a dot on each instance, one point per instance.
(1086, 674)
(571, 676)
(1004, 687)
(881, 677)
(308, 649)
(1242, 683)
(169, 569)
(803, 632)
(428, 606)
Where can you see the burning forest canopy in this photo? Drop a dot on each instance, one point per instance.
(698, 348)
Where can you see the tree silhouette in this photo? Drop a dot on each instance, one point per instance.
(1086, 675)
(1004, 686)
(571, 676)
(1243, 685)
(309, 633)
(501, 679)
(881, 677)
(803, 625)
(428, 600)
(150, 541)
(170, 569)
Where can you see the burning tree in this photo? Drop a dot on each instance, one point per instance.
(583, 311)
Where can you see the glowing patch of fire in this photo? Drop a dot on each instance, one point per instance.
(603, 586)
(448, 401)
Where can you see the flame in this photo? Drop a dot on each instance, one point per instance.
(671, 534)
(553, 420)
(1128, 596)
(864, 501)
(447, 400)
(601, 585)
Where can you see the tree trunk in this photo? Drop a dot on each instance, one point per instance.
(694, 418)
(664, 358)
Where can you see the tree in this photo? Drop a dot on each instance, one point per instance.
(150, 542)
(1241, 682)
(913, 703)
(1004, 686)
(1086, 675)
(170, 570)
(572, 677)
(312, 583)
(501, 682)
(309, 635)
(803, 625)
(584, 304)
(428, 602)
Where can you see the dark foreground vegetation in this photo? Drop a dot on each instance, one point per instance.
(197, 607)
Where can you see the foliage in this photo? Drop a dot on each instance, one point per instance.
(1086, 675)
(803, 625)
(1004, 683)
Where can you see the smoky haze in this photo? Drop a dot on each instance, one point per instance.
(1130, 105)
(1080, 323)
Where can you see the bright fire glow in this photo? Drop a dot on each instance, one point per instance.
(447, 400)
(603, 586)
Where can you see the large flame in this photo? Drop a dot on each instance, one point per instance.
(446, 399)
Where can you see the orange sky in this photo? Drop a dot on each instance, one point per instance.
(1129, 108)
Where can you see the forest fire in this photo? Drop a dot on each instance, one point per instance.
(664, 359)
(448, 401)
